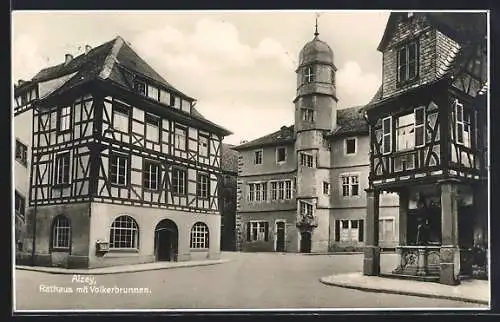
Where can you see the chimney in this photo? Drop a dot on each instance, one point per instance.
(68, 58)
(88, 48)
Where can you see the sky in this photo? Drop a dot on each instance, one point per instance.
(240, 66)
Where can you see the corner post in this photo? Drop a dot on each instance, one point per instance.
(371, 260)
(450, 251)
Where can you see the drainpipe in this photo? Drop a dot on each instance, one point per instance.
(34, 211)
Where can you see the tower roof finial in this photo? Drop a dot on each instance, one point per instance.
(316, 33)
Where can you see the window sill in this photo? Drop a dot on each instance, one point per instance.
(179, 194)
(63, 131)
(203, 198)
(123, 250)
(400, 84)
(198, 250)
(150, 190)
(116, 185)
(59, 249)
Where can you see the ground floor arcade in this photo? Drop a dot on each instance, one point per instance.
(443, 231)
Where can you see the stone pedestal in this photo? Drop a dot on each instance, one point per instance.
(371, 260)
(450, 252)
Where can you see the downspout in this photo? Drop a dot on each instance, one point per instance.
(36, 203)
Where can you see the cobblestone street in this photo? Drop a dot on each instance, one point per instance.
(248, 281)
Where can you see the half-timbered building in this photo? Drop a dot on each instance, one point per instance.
(301, 188)
(124, 168)
(428, 130)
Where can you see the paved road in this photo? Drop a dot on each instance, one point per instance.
(249, 280)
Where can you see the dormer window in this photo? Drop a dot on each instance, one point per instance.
(308, 75)
(140, 87)
(407, 62)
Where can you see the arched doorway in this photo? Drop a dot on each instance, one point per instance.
(166, 241)
(305, 241)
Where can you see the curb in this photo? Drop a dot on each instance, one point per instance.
(89, 272)
(377, 290)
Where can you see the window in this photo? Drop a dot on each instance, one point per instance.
(199, 236)
(203, 186)
(140, 87)
(165, 97)
(152, 128)
(118, 169)
(405, 132)
(281, 190)
(280, 154)
(326, 188)
(257, 191)
(176, 101)
(274, 190)
(64, 119)
(350, 146)
(203, 145)
(386, 229)
(308, 75)
(288, 189)
(19, 205)
(308, 115)
(121, 118)
(333, 77)
(153, 92)
(186, 106)
(151, 175)
(258, 231)
(21, 153)
(462, 125)
(306, 160)
(386, 135)
(61, 232)
(420, 126)
(179, 181)
(306, 209)
(62, 168)
(180, 138)
(349, 230)
(257, 157)
(350, 185)
(124, 233)
(408, 62)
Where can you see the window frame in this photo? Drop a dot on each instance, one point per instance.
(199, 239)
(60, 157)
(306, 158)
(61, 115)
(199, 186)
(23, 148)
(134, 233)
(326, 188)
(176, 192)
(177, 135)
(307, 114)
(147, 163)
(360, 226)
(384, 135)
(258, 225)
(350, 184)
(346, 152)
(285, 154)
(309, 75)
(123, 110)
(207, 137)
(406, 48)
(151, 120)
(255, 153)
(125, 157)
(57, 230)
(420, 126)
(381, 231)
(138, 81)
(19, 200)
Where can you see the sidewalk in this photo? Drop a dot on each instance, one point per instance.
(474, 291)
(122, 268)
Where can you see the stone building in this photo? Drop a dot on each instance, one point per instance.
(301, 188)
(123, 169)
(429, 144)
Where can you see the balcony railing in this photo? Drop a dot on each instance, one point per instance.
(305, 221)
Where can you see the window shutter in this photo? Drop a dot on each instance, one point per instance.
(266, 231)
(337, 230)
(248, 231)
(361, 230)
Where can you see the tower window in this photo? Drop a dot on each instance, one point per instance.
(333, 77)
(308, 115)
(408, 62)
(308, 75)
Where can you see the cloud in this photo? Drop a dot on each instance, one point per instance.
(27, 59)
(354, 86)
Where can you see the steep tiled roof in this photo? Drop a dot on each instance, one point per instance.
(349, 121)
(284, 135)
(113, 61)
(229, 158)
